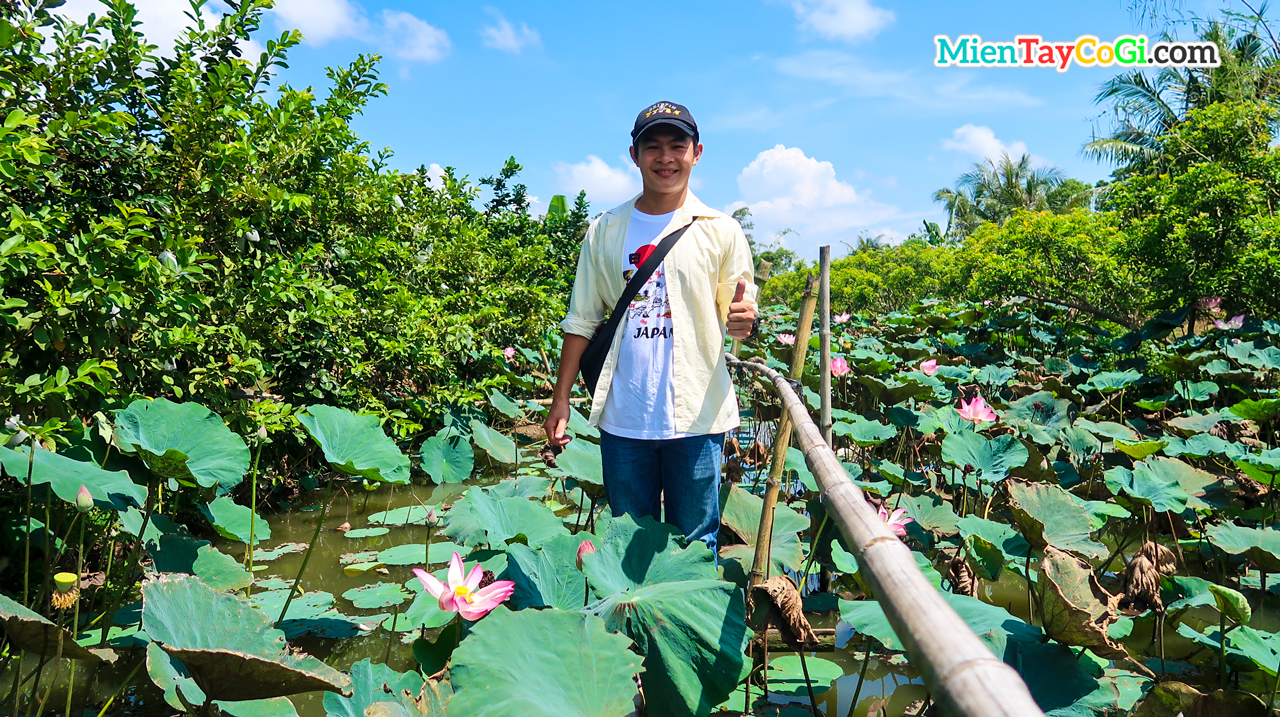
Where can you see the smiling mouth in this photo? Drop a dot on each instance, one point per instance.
(665, 172)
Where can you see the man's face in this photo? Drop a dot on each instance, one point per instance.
(665, 157)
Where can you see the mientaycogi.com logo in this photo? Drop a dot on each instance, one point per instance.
(1086, 51)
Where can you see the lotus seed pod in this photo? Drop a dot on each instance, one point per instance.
(64, 582)
(84, 500)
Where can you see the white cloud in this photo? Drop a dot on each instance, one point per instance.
(786, 189)
(981, 142)
(414, 39)
(848, 20)
(605, 185)
(862, 80)
(162, 20)
(504, 36)
(321, 20)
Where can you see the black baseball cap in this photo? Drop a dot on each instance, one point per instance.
(664, 113)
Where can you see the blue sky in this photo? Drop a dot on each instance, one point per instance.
(826, 117)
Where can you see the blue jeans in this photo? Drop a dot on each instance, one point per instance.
(676, 481)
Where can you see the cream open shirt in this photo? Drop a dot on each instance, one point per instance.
(702, 272)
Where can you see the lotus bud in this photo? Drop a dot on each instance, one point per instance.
(433, 519)
(262, 433)
(84, 500)
(585, 548)
(167, 258)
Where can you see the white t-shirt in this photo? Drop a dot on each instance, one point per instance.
(641, 401)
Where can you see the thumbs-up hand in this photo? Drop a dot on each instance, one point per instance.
(742, 313)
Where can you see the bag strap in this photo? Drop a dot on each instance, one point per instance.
(638, 280)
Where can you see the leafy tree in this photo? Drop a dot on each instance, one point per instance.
(993, 190)
(782, 258)
(885, 279)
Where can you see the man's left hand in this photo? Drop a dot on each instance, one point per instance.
(742, 313)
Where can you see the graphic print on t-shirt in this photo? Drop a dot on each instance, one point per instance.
(649, 315)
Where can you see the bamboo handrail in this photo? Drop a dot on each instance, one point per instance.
(963, 676)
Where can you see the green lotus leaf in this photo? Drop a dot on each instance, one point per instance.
(1182, 591)
(183, 441)
(1194, 391)
(1112, 381)
(1139, 450)
(993, 625)
(1048, 516)
(999, 536)
(1076, 609)
(633, 553)
(1150, 487)
(354, 444)
(1259, 411)
(376, 595)
(864, 432)
(424, 611)
(366, 532)
(740, 514)
(264, 555)
(416, 554)
(1108, 429)
(993, 375)
(1040, 416)
(1261, 467)
(232, 521)
(795, 462)
(1063, 687)
(787, 676)
(991, 458)
(35, 634)
(310, 613)
(408, 515)
(1262, 546)
(547, 576)
(1260, 648)
(170, 675)
(578, 424)
(929, 512)
(1194, 423)
(526, 486)
(1082, 446)
(184, 554)
(549, 663)
(692, 634)
(580, 460)
(498, 446)
(232, 652)
(432, 701)
(370, 683)
(110, 489)
(1231, 603)
(271, 707)
(504, 404)
(448, 457)
(1194, 482)
(480, 518)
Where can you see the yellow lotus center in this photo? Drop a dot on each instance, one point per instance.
(462, 592)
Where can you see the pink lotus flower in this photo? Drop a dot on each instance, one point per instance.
(896, 522)
(788, 339)
(976, 410)
(461, 595)
(84, 499)
(929, 367)
(1236, 322)
(841, 318)
(987, 302)
(584, 549)
(1210, 303)
(839, 367)
(509, 352)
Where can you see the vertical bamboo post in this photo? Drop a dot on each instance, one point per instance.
(782, 439)
(762, 275)
(824, 337)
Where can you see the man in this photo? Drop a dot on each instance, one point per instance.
(664, 399)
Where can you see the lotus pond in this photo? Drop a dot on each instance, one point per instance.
(1097, 507)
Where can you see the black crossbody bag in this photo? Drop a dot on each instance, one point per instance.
(592, 361)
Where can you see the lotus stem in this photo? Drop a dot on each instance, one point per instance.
(1026, 573)
(1222, 649)
(862, 674)
(108, 616)
(808, 684)
(17, 673)
(391, 634)
(253, 515)
(1275, 684)
(26, 565)
(813, 545)
(75, 619)
(324, 511)
(123, 684)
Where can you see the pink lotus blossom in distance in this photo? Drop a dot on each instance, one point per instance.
(839, 367)
(1211, 303)
(585, 548)
(976, 410)
(896, 522)
(841, 318)
(1236, 322)
(509, 352)
(929, 367)
(461, 595)
(788, 339)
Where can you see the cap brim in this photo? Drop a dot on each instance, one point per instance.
(680, 124)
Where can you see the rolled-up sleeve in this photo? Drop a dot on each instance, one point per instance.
(586, 307)
(735, 264)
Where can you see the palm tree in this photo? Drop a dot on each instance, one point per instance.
(993, 190)
(1145, 105)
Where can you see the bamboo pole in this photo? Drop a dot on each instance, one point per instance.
(782, 440)
(961, 673)
(762, 276)
(824, 338)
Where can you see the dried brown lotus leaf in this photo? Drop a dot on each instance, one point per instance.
(1077, 609)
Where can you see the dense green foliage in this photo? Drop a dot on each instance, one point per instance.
(176, 226)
